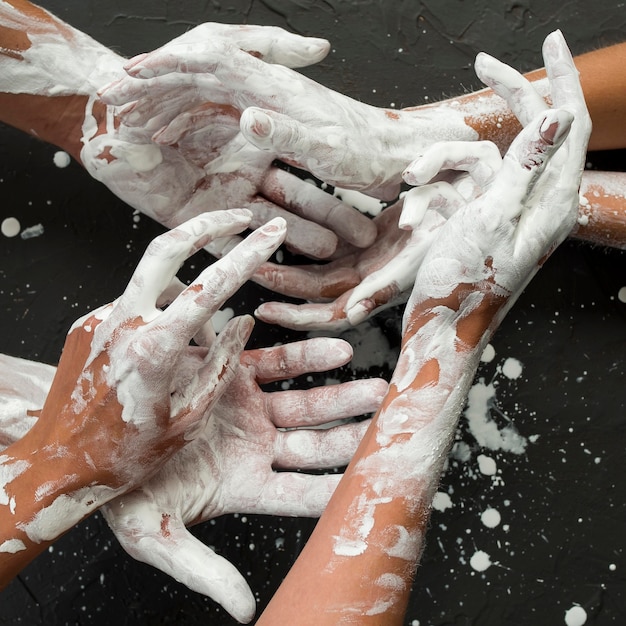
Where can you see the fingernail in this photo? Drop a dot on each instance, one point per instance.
(244, 328)
(278, 224)
(261, 124)
(359, 312)
(556, 126)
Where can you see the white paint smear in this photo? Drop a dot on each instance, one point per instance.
(486, 465)
(490, 517)
(365, 204)
(489, 353)
(61, 159)
(10, 227)
(512, 368)
(480, 561)
(576, 616)
(483, 428)
(442, 501)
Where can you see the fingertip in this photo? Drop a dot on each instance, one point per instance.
(257, 123)
(556, 126)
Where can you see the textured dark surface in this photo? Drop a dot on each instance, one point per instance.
(561, 539)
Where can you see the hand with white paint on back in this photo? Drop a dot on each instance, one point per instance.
(50, 76)
(129, 390)
(230, 467)
(342, 141)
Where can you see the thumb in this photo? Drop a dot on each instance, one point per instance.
(176, 552)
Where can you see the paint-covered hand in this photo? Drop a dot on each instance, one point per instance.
(176, 149)
(342, 141)
(230, 467)
(497, 242)
(360, 283)
(130, 389)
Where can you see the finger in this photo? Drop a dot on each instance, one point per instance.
(510, 85)
(296, 495)
(321, 405)
(290, 360)
(310, 282)
(480, 159)
(526, 159)
(276, 45)
(309, 449)
(440, 197)
(192, 403)
(562, 73)
(172, 291)
(166, 253)
(303, 236)
(204, 296)
(167, 545)
(329, 317)
(316, 205)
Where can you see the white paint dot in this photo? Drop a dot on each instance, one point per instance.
(480, 561)
(486, 465)
(490, 517)
(10, 227)
(621, 294)
(612, 567)
(442, 501)
(61, 159)
(576, 616)
(488, 354)
(512, 368)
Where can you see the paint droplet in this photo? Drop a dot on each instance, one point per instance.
(576, 616)
(442, 501)
(10, 227)
(490, 517)
(612, 567)
(486, 465)
(61, 159)
(512, 368)
(621, 294)
(480, 561)
(488, 354)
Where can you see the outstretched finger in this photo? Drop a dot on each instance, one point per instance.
(316, 205)
(204, 296)
(330, 316)
(322, 405)
(166, 253)
(521, 96)
(318, 354)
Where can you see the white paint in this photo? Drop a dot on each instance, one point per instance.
(621, 294)
(576, 616)
(221, 318)
(480, 561)
(365, 204)
(483, 428)
(486, 465)
(12, 546)
(10, 227)
(32, 231)
(442, 501)
(488, 354)
(371, 347)
(490, 517)
(512, 368)
(61, 159)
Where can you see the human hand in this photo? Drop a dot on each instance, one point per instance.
(203, 162)
(342, 141)
(230, 466)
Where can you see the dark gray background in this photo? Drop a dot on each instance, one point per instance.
(564, 510)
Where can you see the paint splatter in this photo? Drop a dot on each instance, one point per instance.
(576, 616)
(480, 561)
(10, 227)
(61, 159)
(512, 368)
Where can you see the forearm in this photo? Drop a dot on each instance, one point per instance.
(603, 81)
(48, 71)
(364, 551)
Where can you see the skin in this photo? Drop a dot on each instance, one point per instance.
(229, 466)
(59, 103)
(357, 146)
(363, 552)
(129, 390)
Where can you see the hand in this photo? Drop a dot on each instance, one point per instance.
(230, 466)
(130, 390)
(365, 282)
(340, 140)
(203, 162)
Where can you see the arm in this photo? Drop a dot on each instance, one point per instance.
(50, 74)
(129, 390)
(363, 553)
